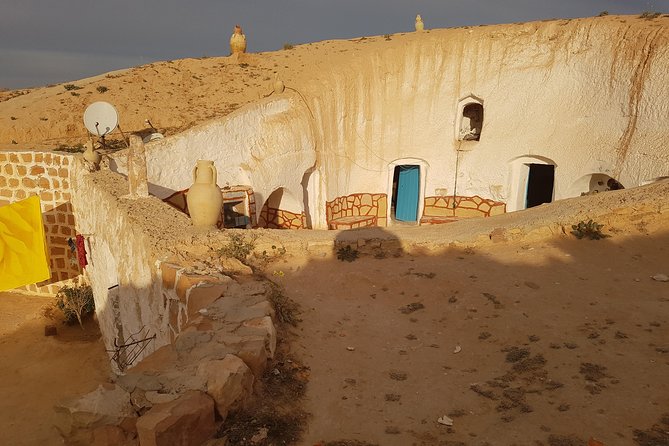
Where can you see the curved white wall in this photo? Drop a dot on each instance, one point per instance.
(268, 145)
(589, 95)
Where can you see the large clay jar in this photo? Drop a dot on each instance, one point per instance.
(91, 155)
(238, 41)
(204, 198)
(420, 26)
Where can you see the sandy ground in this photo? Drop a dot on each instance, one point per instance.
(548, 342)
(36, 372)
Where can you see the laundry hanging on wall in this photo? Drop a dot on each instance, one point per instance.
(23, 253)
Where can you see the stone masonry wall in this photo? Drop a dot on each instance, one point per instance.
(273, 218)
(346, 212)
(46, 174)
(444, 209)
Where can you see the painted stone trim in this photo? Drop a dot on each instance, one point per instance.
(273, 218)
(357, 210)
(48, 175)
(230, 194)
(446, 209)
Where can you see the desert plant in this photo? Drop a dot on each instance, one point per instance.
(79, 148)
(287, 310)
(288, 46)
(102, 89)
(13, 118)
(75, 302)
(74, 93)
(590, 230)
(238, 246)
(603, 13)
(650, 15)
(70, 87)
(347, 254)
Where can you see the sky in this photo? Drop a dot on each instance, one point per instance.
(46, 42)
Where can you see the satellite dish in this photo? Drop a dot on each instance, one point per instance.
(100, 118)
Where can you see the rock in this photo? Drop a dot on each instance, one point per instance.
(446, 421)
(498, 235)
(134, 379)
(660, 277)
(203, 295)
(186, 421)
(234, 266)
(260, 436)
(229, 383)
(113, 436)
(106, 405)
(266, 327)
(160, 398)
(188, 339)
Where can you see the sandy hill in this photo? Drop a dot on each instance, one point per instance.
(176, 95)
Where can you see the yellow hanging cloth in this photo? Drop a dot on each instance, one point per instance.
(23, 253)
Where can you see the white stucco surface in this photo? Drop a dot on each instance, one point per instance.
(587, 95)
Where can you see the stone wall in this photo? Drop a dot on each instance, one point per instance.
(127, 237)
(444, 209)
(346, 212)
(272, 218)
(46, 174)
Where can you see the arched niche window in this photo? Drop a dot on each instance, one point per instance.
(470, 119)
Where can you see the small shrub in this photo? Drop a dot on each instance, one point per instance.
(243, 65)
(102, 89)
(70, 87)
(347, 254)
(603, 13)
(79, 148)
(590, 230)
(43, 119)
(238, 246)
(75, 302)
(650, 15)
(386, 36)
(287, 311)
(288, 46)
(13, 118)
(74, 93)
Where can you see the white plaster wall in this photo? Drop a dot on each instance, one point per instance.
(120, 255)
(268, 145)
(590, 98)
(589, 95)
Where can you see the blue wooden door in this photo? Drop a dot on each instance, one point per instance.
(408, 185)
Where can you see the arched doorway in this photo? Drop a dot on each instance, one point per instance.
(532, 182)
(281, 211)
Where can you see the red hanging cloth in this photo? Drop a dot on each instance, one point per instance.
(81, 252)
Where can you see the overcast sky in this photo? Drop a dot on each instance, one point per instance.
(52, 41)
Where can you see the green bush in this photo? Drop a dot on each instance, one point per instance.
(102, 89)
(238, 246)
(347, 254)
(76, 302)
(590, 230)
(70, 87)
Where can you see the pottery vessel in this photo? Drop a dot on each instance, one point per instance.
(91, 155)
(204, 197)
(238, 41)
(419, 23)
